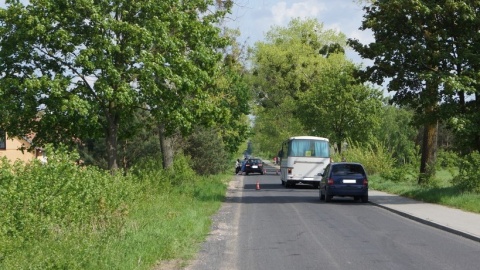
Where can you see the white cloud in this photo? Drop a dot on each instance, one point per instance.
(282, 12)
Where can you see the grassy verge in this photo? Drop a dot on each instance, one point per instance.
(60, 216)
(441, 192)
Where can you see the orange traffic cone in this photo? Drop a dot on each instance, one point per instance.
(258, 185)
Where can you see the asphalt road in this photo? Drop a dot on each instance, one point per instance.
(289, 228)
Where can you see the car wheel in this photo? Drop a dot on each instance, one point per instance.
(287, 184)
(328, 198)
(365, 198)
(322, 196)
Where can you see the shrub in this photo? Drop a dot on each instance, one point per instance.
(447, 159)
(395, 175)
(50, 200)
(468, 178)
(374, 157)
(207, 152)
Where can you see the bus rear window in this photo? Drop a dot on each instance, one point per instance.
(309, 148)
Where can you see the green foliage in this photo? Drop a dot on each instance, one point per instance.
(417, 67)
(56, 200)
(397, 133)
(208, 152)
(466, 128)
(396, 175)
(83, 70)
(468, 178)
(62, 216)
(303, 84)
(273, 126)
(338, 107)
(374, 156)
(447, 159)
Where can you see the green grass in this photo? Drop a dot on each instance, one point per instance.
(164, 216)
(441, 191)
(169, 226)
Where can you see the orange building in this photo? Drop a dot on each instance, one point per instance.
(11, 148)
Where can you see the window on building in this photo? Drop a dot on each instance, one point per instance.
(3, 139)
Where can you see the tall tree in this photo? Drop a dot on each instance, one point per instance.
(416, 50)
(88, 65)
(282, 67)
(301, 75)
(397, 132)
(288, 60)
(338, 106)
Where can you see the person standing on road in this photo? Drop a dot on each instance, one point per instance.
(238, 166)
(244, 164)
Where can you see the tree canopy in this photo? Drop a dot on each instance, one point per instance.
(427, 52)
(304, 84)
(71, 70)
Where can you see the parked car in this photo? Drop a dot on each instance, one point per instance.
(254, 165)
(344, 179)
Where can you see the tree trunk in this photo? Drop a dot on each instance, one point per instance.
(112, 143)
(339, 147)
(166, 145)
(429, 141)
(476, 145)
(427, 165)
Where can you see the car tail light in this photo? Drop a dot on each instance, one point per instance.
(330, 181)
(365, 182)
(289, 170)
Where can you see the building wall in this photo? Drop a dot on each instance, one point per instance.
(13, 153)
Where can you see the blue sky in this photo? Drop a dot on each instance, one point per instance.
(255, 17)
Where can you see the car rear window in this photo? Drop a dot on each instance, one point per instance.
(347, 169)
(255, 161)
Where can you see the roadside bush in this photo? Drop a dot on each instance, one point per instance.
(468, 178)
(447, 159)
(53, 200)
(374, 157)
(207, 152)
(395, 175)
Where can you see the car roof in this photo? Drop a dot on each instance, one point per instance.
(345, 162)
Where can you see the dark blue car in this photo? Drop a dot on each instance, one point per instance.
(344, 179)
(254, 165)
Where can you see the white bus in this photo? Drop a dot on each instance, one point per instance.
(303, 159)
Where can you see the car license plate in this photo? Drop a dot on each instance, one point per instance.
(349, 181)
(254, 166)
